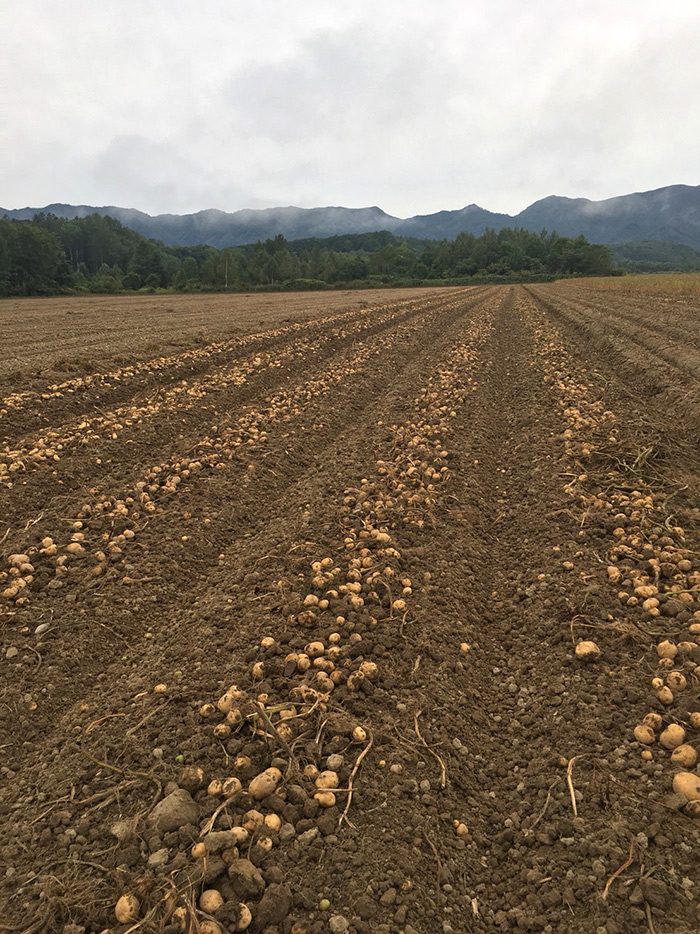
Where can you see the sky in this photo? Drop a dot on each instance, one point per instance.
(174, 106)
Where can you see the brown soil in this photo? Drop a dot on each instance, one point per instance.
(468, 462)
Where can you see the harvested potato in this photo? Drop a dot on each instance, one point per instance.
(264, 784)
(666, 649)
(127, 909)
(587, 651)
(676, 681)
(688, 784)
(684, 755)
(210, 901)
(644, 734)
(244, 917)
(672, 736)
(654, 720)
(325, 798)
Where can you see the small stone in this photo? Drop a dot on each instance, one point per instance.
(174, 811)
(338, 924)
(42, 628)
(674, 801)
(335, 762)
(123, 831)
(636, 896)
(308, 836)
(12, 652)
(158, 859)
(388, 898)
(287, 833)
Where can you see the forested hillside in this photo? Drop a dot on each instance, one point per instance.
(51, 255)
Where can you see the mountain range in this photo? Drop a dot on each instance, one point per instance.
(670, 214)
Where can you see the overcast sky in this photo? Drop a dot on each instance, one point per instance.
(176, 106)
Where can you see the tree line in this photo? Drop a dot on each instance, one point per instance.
(50, 255)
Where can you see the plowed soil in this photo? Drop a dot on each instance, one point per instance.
(360, 547)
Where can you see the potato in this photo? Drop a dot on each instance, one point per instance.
(258, 671)
(325, 798)
(327, 779)
(127, 909)
(688, 784)
(370, 671)
(264, 784)
(239, 834)
(644, 734)
(210, 901)
(229, 699)
(587, 651)
(231, 786)
(685, 756)
(666, 649)
(252, 820)
(654, 720)
(672, 736)
(665, 695)
(244, 917)
(676, 681)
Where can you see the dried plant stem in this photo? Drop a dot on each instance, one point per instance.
(344, 815)
(443, 772)
(570, 783)
(628, 862)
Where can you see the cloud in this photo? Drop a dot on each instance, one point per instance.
(176, 106)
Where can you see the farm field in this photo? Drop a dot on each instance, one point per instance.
(359, 613)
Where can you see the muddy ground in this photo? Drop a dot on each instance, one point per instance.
(389, 526)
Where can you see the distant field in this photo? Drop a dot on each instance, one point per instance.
(653, 282)
(76, 333)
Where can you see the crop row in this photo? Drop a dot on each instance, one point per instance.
(170, 364)
(656, 576)
(307, 678)
(50, 445)
(108, 524)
